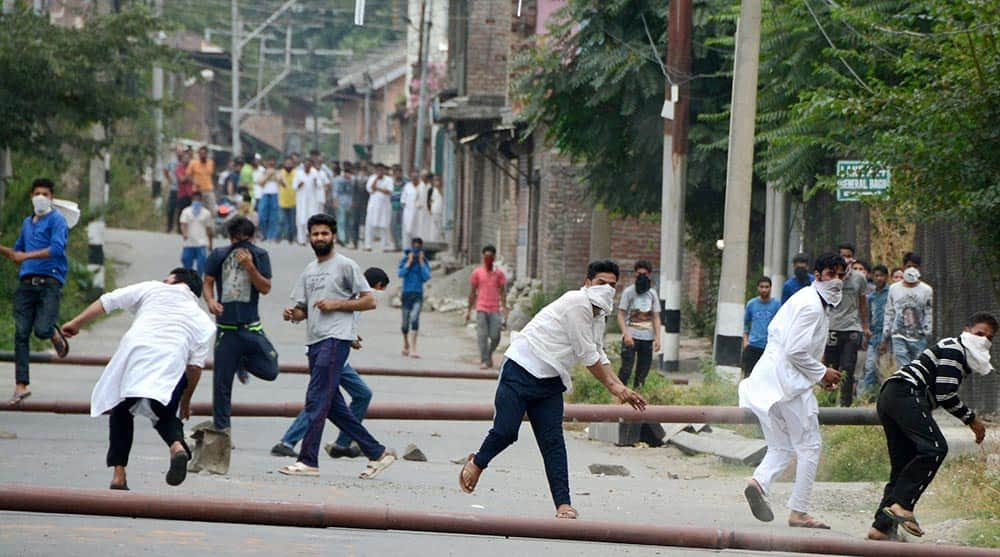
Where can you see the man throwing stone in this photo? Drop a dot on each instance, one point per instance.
(536, 372)
(156, 368)
(780, 392)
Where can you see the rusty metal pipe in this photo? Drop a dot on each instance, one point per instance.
(30, 498)
(87, 360)
(442, 411)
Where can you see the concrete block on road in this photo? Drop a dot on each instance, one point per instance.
(414, 454)
(729, 448)
(621, 434)
(608, 470)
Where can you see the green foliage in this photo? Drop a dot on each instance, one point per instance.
(853, 454)
(711, 391)
(543, 298)
(58, 80)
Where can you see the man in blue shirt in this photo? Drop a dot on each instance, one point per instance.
(40, 251)
(758, 315)
(801, 277)
(876, 314)
(415, 271)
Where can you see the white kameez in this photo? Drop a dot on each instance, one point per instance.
(309, 200)
(379, 213)
(779, 391)
(430, 211)
(170, 332)
(408, 200)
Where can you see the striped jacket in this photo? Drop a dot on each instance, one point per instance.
(940, 369)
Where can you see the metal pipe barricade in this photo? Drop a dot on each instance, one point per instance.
(30, 498)
(444, 411)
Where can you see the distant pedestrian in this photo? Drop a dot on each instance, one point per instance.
(201, 170)
(247, 169)
(908, 314)
(308, 198)
(197, 226)
(488, 295)
(379, 212)
(257, 189)
(862, 267)
(428, 218)
(343, 200)
(156, 368)
(780, 393)
(359, 203)
(235, 277)
(185, 189)
(415, 271)
(173, 181)
(639, 321)
(40, 252)
(917, 448)
(396, 201)
(352, 383)
(286, 201)
(896, 275)
(849, 329)
(801, 277)
(876, 320)
(408, 201)
(536, 371)
(330, 290)
(756, 318)
(267, 206)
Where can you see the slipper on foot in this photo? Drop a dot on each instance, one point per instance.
(758, 503)
(178, 468)
(16, 399)
(909, 524)
(299, 469)
(375, 467)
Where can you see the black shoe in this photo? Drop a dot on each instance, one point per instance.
(282, 449)
(336, 451)
(178, 468)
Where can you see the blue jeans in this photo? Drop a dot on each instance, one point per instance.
(36, 309)
(193, 257)
(361, 397)
(345, 228)
(267, 211)
(518, 392)
(239, 347)
(906, 350)
(324, 401)
(286, 224)
(411, 304)
(870, 377)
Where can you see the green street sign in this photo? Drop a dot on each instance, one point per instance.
(856, 179)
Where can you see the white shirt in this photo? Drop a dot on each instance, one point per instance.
(170, 332)
(793, 360)
(379, 212)
(258, 181)
(197, 226)
(563, 334)
(308, 195)
(271, 186)
(408, 200)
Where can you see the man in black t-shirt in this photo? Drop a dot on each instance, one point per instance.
(235, 277)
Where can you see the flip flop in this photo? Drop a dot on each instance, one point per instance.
(299, 469)
(119, 487)
(758, 502)
(470, 468)
(377, 466)
(809, 522)
(903, 522)
(178, 468)
(569, 513)
(17, 399)
(62, 347)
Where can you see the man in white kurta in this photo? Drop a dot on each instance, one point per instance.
(309, 198)
(780, 393)
(408, 200)
(156, 368)
(379, 213)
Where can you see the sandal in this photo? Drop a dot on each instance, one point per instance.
(119, 487)
(809, 522)
(299, 469)
(376, 466)
(178, 468)
(16, 399)
(59, 342)
(909, 524)
(759, 506)
(469, 476)
(567, 512)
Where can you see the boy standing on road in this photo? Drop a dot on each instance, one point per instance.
(196, 229)
(757, 317)
(235, 278)
(40, 251)
(536, 372)
(639, 321)
(876, 314)
(326, 296)
(415, 271)
(908, 314)
(848, 326)
(488, 294)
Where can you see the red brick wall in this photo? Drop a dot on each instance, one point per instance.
(564, 215)
(487, 48)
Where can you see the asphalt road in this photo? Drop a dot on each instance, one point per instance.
(664, 487)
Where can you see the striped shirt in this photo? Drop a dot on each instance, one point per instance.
(940, 369)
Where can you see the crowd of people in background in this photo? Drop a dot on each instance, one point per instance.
(375, 204)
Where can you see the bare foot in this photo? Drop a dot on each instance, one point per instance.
(406, 352)
(414, 355)
(483, 366)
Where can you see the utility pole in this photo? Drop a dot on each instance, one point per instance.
(234, 99)
(739, 174)
(425, 35)
(158, 117)
(674, 179)
(6, 167)
(775, 235)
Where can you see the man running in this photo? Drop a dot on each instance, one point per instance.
(156, 368)
(536, 371)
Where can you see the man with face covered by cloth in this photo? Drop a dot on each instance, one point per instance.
(916, 446)
(536, 371)
(779, 391)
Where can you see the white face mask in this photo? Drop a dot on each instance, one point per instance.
(42, 204)
(911, 275)
(977, 353)
(602, 297)
(830, 290)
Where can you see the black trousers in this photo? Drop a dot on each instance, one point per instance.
(751, 355)
(171, 210)
(238, 347)
(122, 425)
(916, 446)
(842, 354)
(640, 354)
